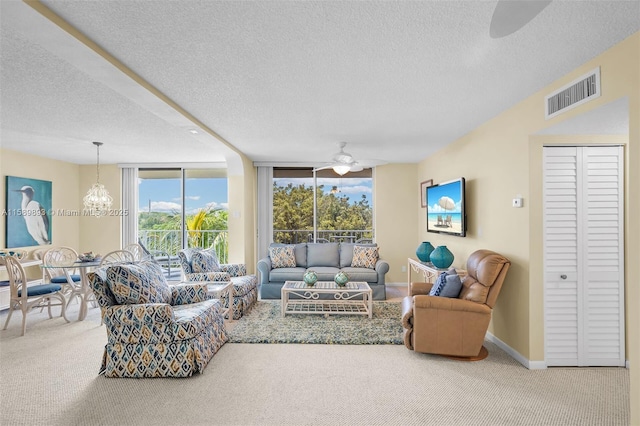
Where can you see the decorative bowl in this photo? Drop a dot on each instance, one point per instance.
(341, 279)
(310, 278)
(88, 257)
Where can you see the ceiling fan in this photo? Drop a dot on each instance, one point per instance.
(343, 162)
(511, 15)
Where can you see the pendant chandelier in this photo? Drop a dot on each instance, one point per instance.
(97, 201)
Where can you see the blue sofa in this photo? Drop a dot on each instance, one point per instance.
(326, 259)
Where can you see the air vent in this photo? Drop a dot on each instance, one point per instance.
(573, 94)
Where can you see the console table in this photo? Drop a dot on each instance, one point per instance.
(428, 271)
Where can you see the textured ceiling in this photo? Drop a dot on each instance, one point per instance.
(280, 81)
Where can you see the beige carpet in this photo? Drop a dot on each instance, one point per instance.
(49, 377)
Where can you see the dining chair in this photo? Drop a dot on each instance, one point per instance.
(137, 251)
(117, 256)
(26, 294)
(61, 256)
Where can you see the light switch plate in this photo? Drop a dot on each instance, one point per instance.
(517, 202)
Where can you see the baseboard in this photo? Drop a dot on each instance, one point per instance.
(531, 365)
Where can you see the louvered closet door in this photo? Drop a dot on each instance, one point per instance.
(583, 256)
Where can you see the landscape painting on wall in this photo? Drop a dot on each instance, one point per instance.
(28, 221)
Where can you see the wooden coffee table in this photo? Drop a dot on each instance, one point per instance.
(356, 298)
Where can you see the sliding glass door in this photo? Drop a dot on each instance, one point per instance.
(181, 208)
(206, 210)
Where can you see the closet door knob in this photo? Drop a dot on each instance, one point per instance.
(564, 277)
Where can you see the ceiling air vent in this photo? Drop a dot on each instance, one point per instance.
(573, 94)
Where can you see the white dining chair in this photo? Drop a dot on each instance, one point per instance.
(117, 256)
(52, 271)
(137, 251)
(29, 294)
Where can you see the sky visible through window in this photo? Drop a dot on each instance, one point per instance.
(354, 188)
(163, 195)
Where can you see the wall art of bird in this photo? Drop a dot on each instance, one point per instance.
(35, 216)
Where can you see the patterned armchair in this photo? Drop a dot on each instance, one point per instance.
(153, 329)
(202, 265)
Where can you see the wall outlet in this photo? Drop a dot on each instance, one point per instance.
(517, 202)
(404, 268)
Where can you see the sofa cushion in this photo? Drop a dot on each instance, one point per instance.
(100, 288)
(346, 252)
(326, 273)
(138, 283)
(364, 257)
(361, 274)
(205, 261)
(244, 284)
(473, 290)
(286, 274)
(191, 319)
(300, 251)
(282, 257)
(323, 254)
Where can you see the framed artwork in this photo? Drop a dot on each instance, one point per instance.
(28, 214)
(423, 192)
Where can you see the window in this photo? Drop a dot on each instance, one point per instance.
(324, 208)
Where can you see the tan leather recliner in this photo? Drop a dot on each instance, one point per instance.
(455, 327)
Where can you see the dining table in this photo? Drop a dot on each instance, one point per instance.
(80, 289)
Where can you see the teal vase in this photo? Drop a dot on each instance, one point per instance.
(441, 257)
(424, 250)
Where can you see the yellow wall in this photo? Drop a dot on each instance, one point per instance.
(242, 217)
(102, 235)
(396, 199)
(502, 158)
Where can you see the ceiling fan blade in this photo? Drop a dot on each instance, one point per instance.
(511, 15)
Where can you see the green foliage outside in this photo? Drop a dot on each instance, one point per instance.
(214, 220)
(293, 210)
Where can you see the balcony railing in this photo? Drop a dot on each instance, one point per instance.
(170, 242)
(296, 236)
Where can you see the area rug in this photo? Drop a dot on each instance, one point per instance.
(265, 324)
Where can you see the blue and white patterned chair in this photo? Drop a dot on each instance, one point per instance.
(154, 329)
(202, 265)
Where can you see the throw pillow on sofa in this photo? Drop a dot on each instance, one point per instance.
(364, 257)
(138, 284)
(282, 257)
(205, 261)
